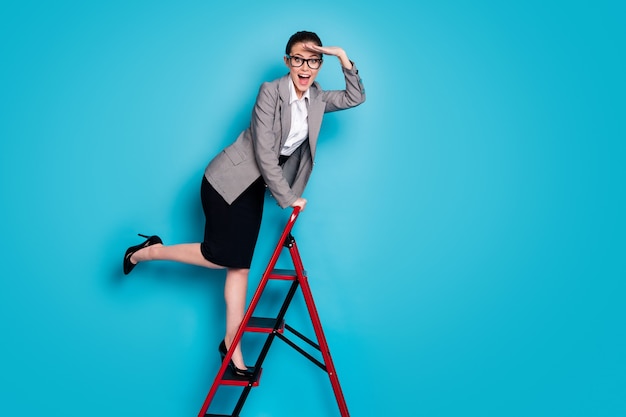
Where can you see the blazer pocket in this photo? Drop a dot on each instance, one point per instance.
(234, 154)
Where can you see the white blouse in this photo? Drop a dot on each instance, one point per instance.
(299, 130)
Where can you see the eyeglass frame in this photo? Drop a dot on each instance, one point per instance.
(290, 57)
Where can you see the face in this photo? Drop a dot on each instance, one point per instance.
(303, 76)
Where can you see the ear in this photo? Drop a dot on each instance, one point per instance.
(286, 61)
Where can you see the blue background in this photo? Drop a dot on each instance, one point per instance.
(465, 233)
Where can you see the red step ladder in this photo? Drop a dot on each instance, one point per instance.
(275, 327)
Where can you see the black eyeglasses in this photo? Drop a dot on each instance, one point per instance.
(296, 62)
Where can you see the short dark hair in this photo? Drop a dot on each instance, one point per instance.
(302, 36)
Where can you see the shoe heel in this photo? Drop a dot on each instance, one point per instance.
(150, 240)
(222, 350)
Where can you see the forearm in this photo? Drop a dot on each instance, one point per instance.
(344, 60)
(265, 142)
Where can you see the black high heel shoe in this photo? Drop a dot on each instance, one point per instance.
(247, 373)
(150, 240)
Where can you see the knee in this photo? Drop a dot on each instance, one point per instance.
(238, 273)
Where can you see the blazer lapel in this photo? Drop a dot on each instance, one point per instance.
(285, 109)
(315, 115)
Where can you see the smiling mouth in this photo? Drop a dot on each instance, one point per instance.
(303, 79)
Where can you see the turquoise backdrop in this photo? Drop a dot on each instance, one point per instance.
(464, 238)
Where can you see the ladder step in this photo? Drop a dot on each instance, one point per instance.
(230, 378)
(286, 274)
(264, 325)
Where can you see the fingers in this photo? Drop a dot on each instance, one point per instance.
(312, 47)
(322, 49)
(300, 202)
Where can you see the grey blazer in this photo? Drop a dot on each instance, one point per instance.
(255, 152)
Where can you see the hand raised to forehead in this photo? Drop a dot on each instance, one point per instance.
(332, 51)
(328, 50)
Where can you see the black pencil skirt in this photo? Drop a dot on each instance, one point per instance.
(231, 231)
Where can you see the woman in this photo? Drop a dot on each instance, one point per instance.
(276, 151)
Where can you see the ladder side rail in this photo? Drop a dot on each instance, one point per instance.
(261, 287)
(319, 332)
(250, 311)
(300, 275)
(266, 346)
(229, 353)
(238, 336)
(214, 387)
(286, 240)
(279, 320)
(268, 271)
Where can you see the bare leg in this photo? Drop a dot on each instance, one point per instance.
(234, 289)
(188, 253)
(235, 295)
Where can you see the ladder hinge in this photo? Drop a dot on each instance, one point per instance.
(289, 241)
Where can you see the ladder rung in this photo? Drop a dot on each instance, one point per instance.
(264, 325)
(230, 378)
(287, 274)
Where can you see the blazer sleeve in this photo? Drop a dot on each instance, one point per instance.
(266, 136)
(352, 96)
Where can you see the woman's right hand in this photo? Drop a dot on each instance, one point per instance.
(300, 202)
